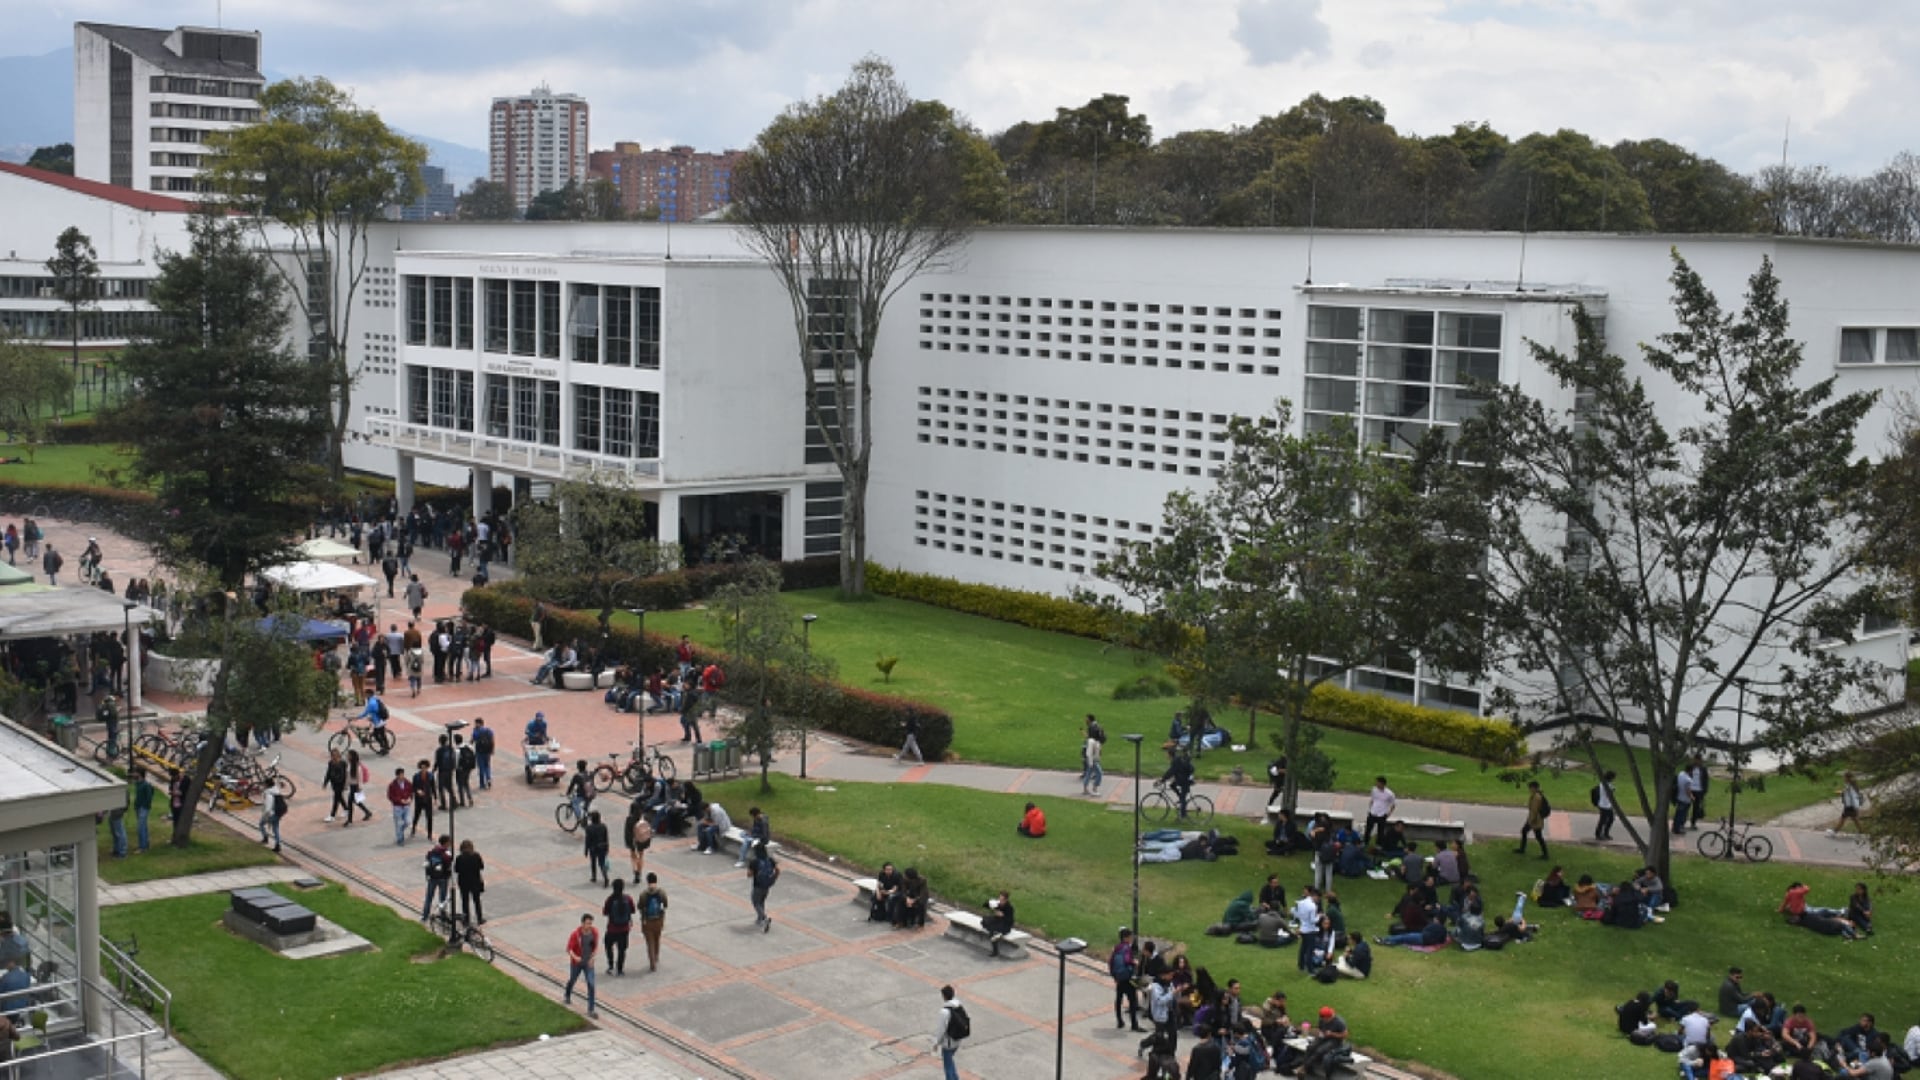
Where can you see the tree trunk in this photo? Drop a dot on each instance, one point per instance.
(1290, 798)
(197, 784)
(853, 537)
(342, 410)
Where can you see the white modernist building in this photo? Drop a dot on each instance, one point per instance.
(1037, 401)
(145, 100)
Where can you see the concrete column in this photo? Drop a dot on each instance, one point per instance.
(133, 670)
(482, 492)
(669, 527)
(86, 935)
(793, 522)
(403, 482)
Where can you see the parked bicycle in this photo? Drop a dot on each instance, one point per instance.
(456, 930)
(1162, 805)
(640, 768)
(1728, 837)
(380, 739)
(133, 987)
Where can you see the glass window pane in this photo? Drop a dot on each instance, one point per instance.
(550, 319)
(586, 418)
(619, 427)
(1400, 364)
(1856, 346)
(1410, 402)
(463, 400)
(549, 412)
(1470, 331)
(646, 422)
(1332, 395)
(526, 320)
(1903, 346)
(647, 327)
(416, 394)
(586, 324)
(443, 313)
(497, 406)
(1460, 368)
(463, 314)
(496, 302)
(1328, 358)
(1404, 327)
(442, 398)
(526, 401)
(619, 343)
(1342, 323)
(416, 309)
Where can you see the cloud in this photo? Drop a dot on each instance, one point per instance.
(1276, 31)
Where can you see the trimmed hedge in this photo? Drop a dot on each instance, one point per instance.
(1492, 740)
(678, 588)
(1040, 611)
(859, 714)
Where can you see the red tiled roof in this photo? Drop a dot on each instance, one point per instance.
(139, 200)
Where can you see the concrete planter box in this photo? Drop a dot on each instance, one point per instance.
(172, 676)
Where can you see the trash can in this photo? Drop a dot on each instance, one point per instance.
(703, 759)
(726, 758)
(65, 732)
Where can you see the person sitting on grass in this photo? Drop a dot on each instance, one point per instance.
(1586, 895)
(1860, 909)
(1554, 890)
(1391, 843)
(1668, 1003)
(1033, 824)
(1470, 926)
(1793, 906)
(1799, 1035)
(1624, 909)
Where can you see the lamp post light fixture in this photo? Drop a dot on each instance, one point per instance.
(1065, 947)
(640, 711)
(1136, 739)
(132, 654)
(1739, 730)
(806, 670)
(453, 832)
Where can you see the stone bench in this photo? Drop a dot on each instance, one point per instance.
(968, 927)
(1428, 830)
(1303, 816)
(576, 680)
(271, 911)
(736, 838)
(864, 890)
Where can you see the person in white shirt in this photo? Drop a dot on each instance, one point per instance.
(1380, 804)
(1696, 1028)
(1686, 788)
(1306, 911)
(1912, 1045)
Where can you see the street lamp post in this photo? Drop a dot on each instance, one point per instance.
(453, 832)
(132, 653)
(806, 701)
(1136, 739)
(640, 711)
(1065, 947)
(1739, 730)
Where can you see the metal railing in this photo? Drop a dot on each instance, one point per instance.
(137, 988)
(120, 1047)
(522, 457)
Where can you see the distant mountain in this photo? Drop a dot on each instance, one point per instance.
(38, 91)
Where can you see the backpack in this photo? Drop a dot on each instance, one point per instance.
(1119, 966)
(483, 741)
(380, 709)
(655, 906)
(279, 805)
(436, 863)
(1098, 733)
(467, 760)
(766, 873)
(1593, 795)
(1546, 808)
(1667, 1042)
(1638, 1039)
(958, 1025)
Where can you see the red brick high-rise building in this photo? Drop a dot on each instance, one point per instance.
(682, 182)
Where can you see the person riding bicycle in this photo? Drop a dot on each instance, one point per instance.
(374, 712)
(580, 789)
(90, 558)
(537, 730)
(1179, 776)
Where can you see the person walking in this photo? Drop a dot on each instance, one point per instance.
(639, 837)
(143, 791)
(1851, 800)
(1603, 802)
(275, 810)
(483, 751)
(1090, 774)
(400, 798)
(580, 949)
(51, 562)
(445, 763)
(653, 919)
(763, 872)
(597, 846)
(911, 745)
(1685, 788)
(1121, 966)
(468, 867)
(1381, 802)
(390, 566)
(117, 823)
(439, 867)
(422, 788)
(538, 622)
(953, 1027)
(1536, 819)
(618, 910)
(416, 595)
(465, 762)
(358, 777)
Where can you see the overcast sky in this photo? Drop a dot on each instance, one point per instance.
(1722, 77)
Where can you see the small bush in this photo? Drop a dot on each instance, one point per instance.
(678, 588)
(1037, 610)
(1145, 688)
(886, 664)
(1498, 741)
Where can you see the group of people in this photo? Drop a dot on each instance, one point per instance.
(378, 524)
(1850, 922)
(899, 899)
(1767, 1035)
(689, 689)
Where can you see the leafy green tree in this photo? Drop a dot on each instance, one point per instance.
(1482, 146)
(33, 383)
(1672, 536)
(765, 641)
(316, 174)
(1105, 127)
(1564, 182)
(1687, 193)
(486, 200)
(587, 544)
(223, 418)
(56, 158)
(75, 269)
(850, 197)
(1311, 555)
(596, 200)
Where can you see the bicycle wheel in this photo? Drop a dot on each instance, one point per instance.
(1757, 849)
(101, 756)
(152, 744)
(1712, 845)
(663, 766)
(564, 816)
(1200, 809)
(383, 741)
(477, 941)
(1157, 807)
(283, 784)
(634, 780)
(339, 742)
(603, 777)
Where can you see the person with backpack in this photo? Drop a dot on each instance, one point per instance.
(1602, 798)
(598, 842)
(953, 1028)
(464, 762)
(653, 918)
(1090, 774)
(375, 712)
(270, 820)
(439, 869)
(763, 872)
(483, 751)
(580, 948)
(618, 909)
(467, 868)
(1121, 966)
(1538, 810)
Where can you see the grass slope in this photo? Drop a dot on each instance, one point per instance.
(1543, 1009)
(211, 848)
(1017, 697)
(253, 1014)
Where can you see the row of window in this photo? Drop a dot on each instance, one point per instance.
(606, 420)
(1395, 373)
(94, 325)
(1884, 345)
(616, 325)
(32, 287)
(175, 84)
(1123, 306)
(180, 111)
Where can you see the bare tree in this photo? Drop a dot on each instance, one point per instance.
(849, 197)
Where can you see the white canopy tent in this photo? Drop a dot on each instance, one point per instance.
(311, 577)
(66, 612)
(321, 547)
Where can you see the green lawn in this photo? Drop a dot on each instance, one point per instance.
(211, 848)
(61, 463)
(1454, 1011)
(1017, 697)
(252, 1014)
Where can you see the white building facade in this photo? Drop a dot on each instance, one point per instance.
(537, 143)
(1036, 403)
(145, 100)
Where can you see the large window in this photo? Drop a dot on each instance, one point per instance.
(443, 313)
(619, 404)
(499, 415)
(416, 300)
(442, 398)
(550, 319)
(619, 348)
(585, 326)
(496, 302)
(646, 422)
(647, 327)
(586, 418)
(549, 412)
(416, 394)
(818, 450)
(526, 318)
(463, 313)
(1394, 372)
(526, 410)
(830, 320)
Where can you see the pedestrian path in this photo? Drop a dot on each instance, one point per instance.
(194, 884)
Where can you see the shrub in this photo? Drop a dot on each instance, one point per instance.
(1497, 741)
(1037, 610)
(1145, 688)
(886, 664)
(678, 588)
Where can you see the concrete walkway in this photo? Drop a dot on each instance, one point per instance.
(194, 884)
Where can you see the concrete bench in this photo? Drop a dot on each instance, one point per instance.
(1427, 830)
(576, 680)
(604, 680)
(864, 889)
(968, 927)
(1303, 816)
(736, 838)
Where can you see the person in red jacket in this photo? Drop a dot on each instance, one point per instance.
(711, 680)
(1033, 824)
(581, 945)
(400, 797)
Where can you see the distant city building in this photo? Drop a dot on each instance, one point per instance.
(683, 182)
(436, 201)
(145, 100)
(537, 143)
